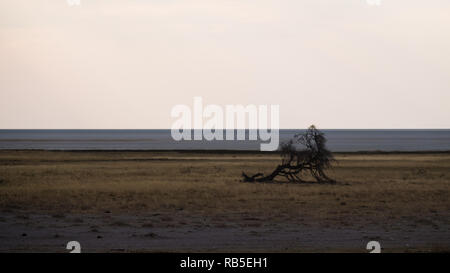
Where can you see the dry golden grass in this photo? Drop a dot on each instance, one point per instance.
(371, 188)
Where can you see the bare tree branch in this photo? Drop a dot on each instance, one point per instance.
(314, 157)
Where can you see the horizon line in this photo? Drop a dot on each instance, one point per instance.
(168, 129)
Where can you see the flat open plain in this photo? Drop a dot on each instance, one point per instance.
(194, 201)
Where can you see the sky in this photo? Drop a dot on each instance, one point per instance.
(110, 64)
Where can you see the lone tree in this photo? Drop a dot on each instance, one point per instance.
(314, 157)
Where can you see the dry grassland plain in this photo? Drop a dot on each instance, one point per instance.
(138, 201)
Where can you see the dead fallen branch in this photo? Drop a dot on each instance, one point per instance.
(302, 154)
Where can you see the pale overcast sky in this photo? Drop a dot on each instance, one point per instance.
(125, 64)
